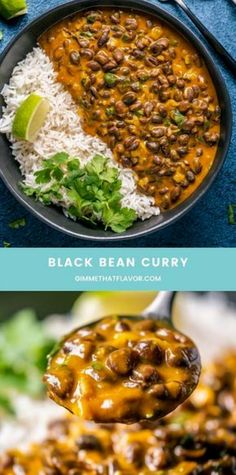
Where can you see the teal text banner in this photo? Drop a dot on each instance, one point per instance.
(117, 269)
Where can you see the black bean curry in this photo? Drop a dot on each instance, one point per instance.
(123, 370)
(197, 439)
(144, 90)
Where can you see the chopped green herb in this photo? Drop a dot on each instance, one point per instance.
(17, 223)
(6, 244)
(206, 125)
(6, 405)
(1, 35)
(93, 191)
(97, 365)
(110, 79)
(91, 18)
(232, 214)
(173, 42)
(24, 346)
(126, 38)
(110, 111)
(88, 34)
(139, 112)
(178, 118)
(166, 122)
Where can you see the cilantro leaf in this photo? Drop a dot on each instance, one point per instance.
(17, 223)
(92, 191)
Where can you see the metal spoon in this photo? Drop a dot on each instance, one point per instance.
(223, 53)
(161, 307)
(61, 373)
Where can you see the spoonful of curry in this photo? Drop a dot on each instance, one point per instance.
(125, 369)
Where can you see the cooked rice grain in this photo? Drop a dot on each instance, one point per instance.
(61, 131)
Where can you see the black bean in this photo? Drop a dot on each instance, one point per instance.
(131, 24)
(174, 155)
(131, 143)
(196, 165)
(102, 57)
(83, 349)
(183, 139)
(118, 55)
(156, 119)
(129, 98)
(137, 106)
(134, 452)
(158, 391)
(122, 361)
(162, 110)
(175, 194)
(146, 374)
(122, 325)
(190, 176)
(182, 151)
(121, 109)
(171, 79)
(150, 351)
(113, 467)
(87, 53)
(94, 65)
(151, 61)
(157, 458)
(158, 132)
(178, 95)
(58, 53)
(180, 83)
(89, 442)
(177, 357)
(62, 383)
(138, 53)
(199, 152)
(110, 65)
(104, 37)
(153, 146)
(211, 138)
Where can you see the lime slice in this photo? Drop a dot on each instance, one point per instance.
(30, 117)
(91, 306)
(12, 8)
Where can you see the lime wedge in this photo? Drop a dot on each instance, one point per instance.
(30, 117)
(12, 8)
(94, 305)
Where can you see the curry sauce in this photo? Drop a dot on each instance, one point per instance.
(199, 438)
(123, 370)
(144, 90)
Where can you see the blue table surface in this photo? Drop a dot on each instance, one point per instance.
(206, 225)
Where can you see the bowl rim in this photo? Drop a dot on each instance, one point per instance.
(180, 210)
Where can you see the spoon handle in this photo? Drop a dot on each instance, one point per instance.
(223, 53)
(161, 307)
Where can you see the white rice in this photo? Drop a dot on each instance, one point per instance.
(61, 131)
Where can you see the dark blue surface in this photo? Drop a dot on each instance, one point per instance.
(206, 225)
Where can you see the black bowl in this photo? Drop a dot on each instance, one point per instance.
(17, 50)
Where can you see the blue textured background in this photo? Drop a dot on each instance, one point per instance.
(206, 225)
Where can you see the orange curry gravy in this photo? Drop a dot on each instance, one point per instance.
(123, 370)
(143, 89)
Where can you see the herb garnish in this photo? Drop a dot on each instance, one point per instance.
(24, 346)
(231, 214)
(6, 244)
(17, 223)
(93, 191)
(178, 118)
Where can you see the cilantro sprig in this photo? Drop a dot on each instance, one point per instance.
(93, 191)
(24, 346)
